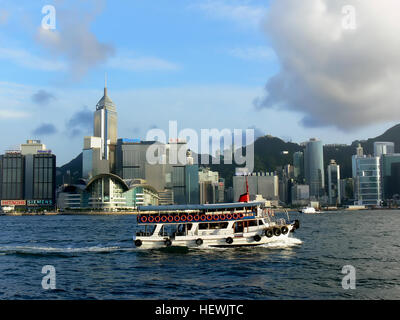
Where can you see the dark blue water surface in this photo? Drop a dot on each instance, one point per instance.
(94, 258)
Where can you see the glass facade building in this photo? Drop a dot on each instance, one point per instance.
(334, 183)
(298, 167)
(30, 177)
(12, 176)
(314, 168)
(390, 175)
(367, 180)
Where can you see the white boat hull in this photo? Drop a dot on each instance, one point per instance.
(212, 241)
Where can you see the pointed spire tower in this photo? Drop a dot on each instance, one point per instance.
(105, 126)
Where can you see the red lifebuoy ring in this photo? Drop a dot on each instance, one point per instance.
(183, 218)
(196, 217)
(143, 218)
(176, 218)
(235, 216)
(209, 217)
(157, 219)
(228, 216)
(222, 217)
(215, 217)
(241, 215)
(150, 219)
(189, 217)
(170, 218)
(164, 219)
(203, 217)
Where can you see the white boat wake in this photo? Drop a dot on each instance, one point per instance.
(40, 249)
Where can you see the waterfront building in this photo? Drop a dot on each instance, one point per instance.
(28, 175)
(390, 165)
(346, 190)
(314, 168)
(300, 194)
(334, 183)
(260, 183)
(108, 192)
(169, 172)
(367, 180)
(98, 154)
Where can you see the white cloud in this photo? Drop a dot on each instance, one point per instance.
(26, 59)
(240, 12)
(332, 75)
(74, 41)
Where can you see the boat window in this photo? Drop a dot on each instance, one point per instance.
(252, 223)
(238, 226)
(215, 225)
(218, 225)
(145, 230)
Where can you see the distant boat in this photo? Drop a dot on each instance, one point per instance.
(309, 210)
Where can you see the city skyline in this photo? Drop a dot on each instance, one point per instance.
(217, 65)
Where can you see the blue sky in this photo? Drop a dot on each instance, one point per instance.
(201, 63)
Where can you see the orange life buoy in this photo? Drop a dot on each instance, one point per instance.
(183, 218)
(143, 218)
(203, 217)
(241, 215)
(235, 216)
(157, 219)
(150, 219)
(170, 218)
(215, 217)
(228, 216)
(189, 217)
(209, 217)
(176, 218)
(222, 217)
(164, 219)
(196, 217)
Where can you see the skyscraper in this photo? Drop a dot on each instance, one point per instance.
(334, 183)
(367, 180)
(28, 175)
(298, 166)
(99, 150)
(314, 167)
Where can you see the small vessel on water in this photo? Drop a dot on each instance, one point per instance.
(309, 210)
(210, 225)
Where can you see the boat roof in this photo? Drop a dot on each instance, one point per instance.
(215, 206)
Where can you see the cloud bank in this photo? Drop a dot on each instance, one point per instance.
(73, 39)
(333, 75)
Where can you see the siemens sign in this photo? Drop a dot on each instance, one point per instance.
(35, 203)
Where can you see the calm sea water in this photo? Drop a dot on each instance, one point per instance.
(94, 258)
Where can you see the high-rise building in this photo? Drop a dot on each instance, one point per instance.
(334, 183)
(167, 172)
(28, 175)
(260, 183)
(99, 150)
(314, 168)
(367, 180)
(390, 167)
(381, 148)
(298, 166)
(300, 194)
(211, 186)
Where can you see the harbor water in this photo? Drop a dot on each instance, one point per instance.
(94, 258)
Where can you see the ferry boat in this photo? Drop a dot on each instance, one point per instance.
(210, 225)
